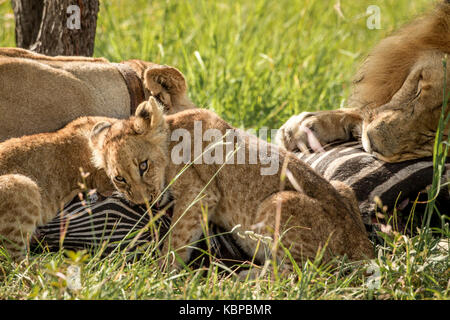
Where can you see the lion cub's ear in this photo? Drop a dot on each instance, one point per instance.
(167, 84)
(149, 116)
(96, 140)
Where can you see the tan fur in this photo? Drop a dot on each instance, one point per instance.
(238, 194)
(39, 174)
(42, 94)
(396, 99)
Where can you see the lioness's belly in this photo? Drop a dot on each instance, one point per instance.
(37, 97)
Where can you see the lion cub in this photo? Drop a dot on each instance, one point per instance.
(140, 157)
(38, 174)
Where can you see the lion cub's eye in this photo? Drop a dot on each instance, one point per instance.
(120, 179)
(143, 166)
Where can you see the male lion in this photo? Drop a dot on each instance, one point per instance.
(42, 94)
(396, 100)
(138, 155)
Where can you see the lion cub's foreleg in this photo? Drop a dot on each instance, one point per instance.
(20, 212)
(186, 226)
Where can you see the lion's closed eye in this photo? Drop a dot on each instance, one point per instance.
(120, 179)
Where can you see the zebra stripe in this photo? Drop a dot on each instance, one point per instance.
(108, 222)
(370, 177)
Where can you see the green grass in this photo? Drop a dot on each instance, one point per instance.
(258, 62)
(255, 63)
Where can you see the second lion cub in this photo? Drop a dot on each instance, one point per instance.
(39, 174)
(136, 154)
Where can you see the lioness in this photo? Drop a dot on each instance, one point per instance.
(396, 100)
(136, 155)
(42, 94)
(39, 174)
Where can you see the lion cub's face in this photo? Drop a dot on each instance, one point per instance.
(134, 152)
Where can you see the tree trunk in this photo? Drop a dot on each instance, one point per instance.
(28, 14)
(56, 27)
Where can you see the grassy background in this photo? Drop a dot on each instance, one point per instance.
(258, 62)
(255, 63)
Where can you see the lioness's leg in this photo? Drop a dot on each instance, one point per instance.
(20, 212)
(324, 126)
